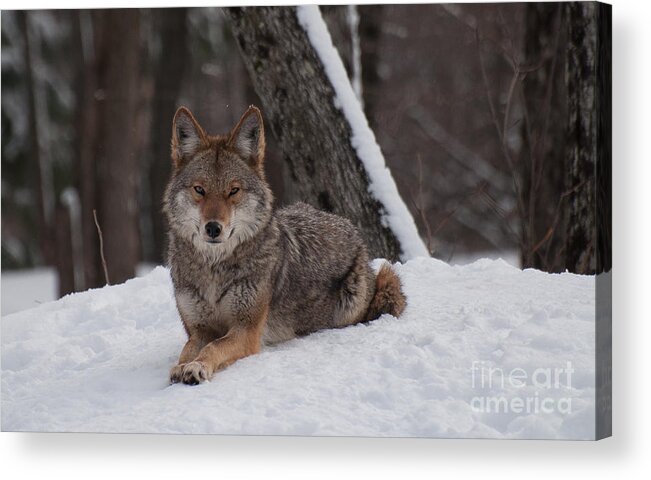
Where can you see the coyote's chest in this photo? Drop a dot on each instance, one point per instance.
(210, 303)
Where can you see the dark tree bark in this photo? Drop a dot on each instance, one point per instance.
(43, 231)
(313, 134)
(370, 34)
(168, 77)
(604, 107)
(87, 34)
(543, 164)
(588, 150)
(117, 162)
(336, 17)
(589, 239)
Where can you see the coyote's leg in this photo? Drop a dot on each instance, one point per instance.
(239, 342)
(365, 296)
(356, 292)
(192, 348)
(190, 351)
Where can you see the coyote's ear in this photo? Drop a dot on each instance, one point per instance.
(248, 138)
(187, 137)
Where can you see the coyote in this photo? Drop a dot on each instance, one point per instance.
(245, 274)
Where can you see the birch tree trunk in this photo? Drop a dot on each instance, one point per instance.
(588, 154)
(313, 134)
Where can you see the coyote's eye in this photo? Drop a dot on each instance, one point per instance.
(233, 191)
(199, 190)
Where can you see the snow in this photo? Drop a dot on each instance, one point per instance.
(510, 256)
(382, 186)
(98, 361)
(352, 16)
(23, 289)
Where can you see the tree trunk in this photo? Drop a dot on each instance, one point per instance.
(589, 239)
(168, 77)
(312, 133)
(335, 17)
(43, 230)
(85, 130)
(543, 162)
(117, 162)
(370, 33)
(588, 149)
(89, 35)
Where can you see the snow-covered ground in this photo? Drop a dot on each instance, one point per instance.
(512, 257)
(23, 289)
(474, 339)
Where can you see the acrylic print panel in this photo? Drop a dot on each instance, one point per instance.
(447, 274)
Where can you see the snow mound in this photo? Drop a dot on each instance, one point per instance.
(98, 362)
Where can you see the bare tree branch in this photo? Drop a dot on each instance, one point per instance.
(500, 135)
(101, 247)
(458, 151)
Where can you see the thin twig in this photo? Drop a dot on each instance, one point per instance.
(101, 247)
(471, 24)
(470, 161)
(500, 136)
(527, 121)
(548, 235)
(539, 149)
(475, 191)
(504, 224)
(509, 37)
(538, 155)
(420, 206)
(507, 110)
(557, 216)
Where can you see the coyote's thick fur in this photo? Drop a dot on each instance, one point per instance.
(244, 273)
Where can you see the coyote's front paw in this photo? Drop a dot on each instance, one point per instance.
(176, 373)
(195, 373)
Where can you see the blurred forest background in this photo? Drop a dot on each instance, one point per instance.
(469, 104)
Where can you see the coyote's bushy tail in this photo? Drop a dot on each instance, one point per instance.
(388, 297)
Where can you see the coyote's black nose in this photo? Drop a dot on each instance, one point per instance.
(213, 229)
